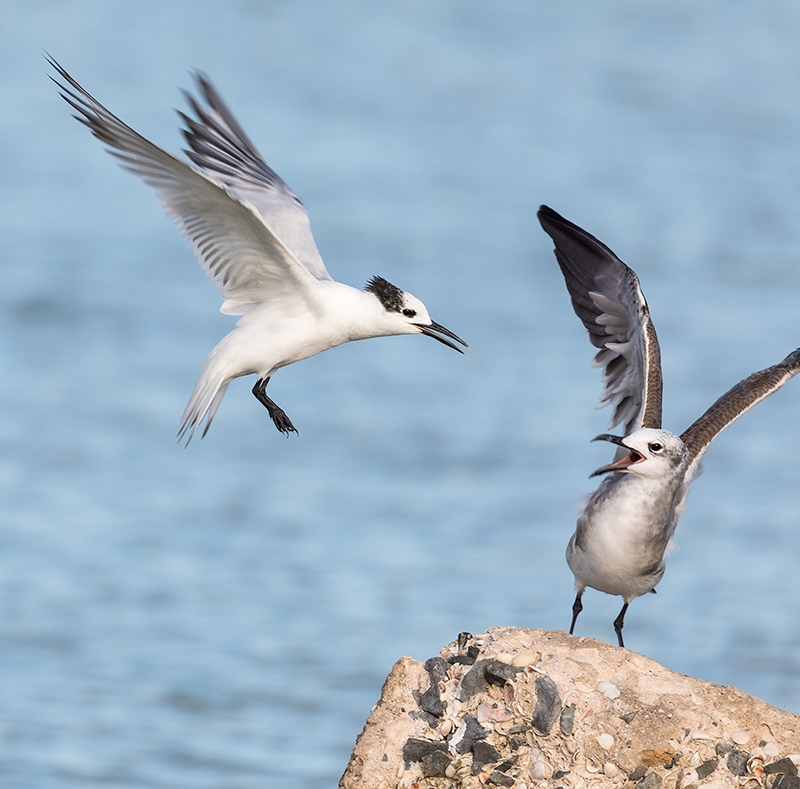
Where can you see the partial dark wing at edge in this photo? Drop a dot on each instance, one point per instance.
(733, 404)
(607, 297)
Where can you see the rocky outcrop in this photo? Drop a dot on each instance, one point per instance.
(529, 708)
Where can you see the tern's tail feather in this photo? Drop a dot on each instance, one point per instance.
(206, 397)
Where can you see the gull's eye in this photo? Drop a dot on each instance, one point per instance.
(409, 313)
(655, 447)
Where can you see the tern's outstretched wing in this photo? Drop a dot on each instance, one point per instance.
(220, 148)
(606, 296)
(733, 404)
(239, 251)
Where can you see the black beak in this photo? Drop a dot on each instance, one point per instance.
(618, 465)
(608, 437)
(435, 330)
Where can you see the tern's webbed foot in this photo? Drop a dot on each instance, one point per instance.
(276, 413)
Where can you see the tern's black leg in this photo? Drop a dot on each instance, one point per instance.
(276, 413)
(618, 622)
(577, 607)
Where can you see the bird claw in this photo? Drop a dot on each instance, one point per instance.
(283, 423)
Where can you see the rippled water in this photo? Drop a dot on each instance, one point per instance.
(224, 616)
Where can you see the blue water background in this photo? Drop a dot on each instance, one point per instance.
(224, 616)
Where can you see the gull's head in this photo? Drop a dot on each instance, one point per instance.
(402, 313)
(650, 453)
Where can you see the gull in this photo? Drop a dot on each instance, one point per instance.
(252, 236)
(621, 538)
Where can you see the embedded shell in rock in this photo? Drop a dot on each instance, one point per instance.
(529, 708)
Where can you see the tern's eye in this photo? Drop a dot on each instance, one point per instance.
(409, 313)
(655, 447)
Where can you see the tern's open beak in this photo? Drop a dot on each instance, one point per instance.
(623, 463)
(435, 330)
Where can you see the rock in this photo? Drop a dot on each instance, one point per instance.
(474, 681)
(505, 766)
(437, 669)
(567, 721)
(467, 734)
(499, 673)
(483, 753)
(721, 748)
(706, 768)
(434, 764)
(499, 779)
(785, 766)
(664, 730)
(429, 702)
(416, 750)
(652, 781)
(737, 762)
(548, 705)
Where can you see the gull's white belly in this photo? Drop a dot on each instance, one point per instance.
(619, 546)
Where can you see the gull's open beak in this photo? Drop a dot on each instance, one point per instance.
(623, 463)
(435, 330)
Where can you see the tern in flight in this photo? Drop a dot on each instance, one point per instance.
(620, 541)
(252, 237)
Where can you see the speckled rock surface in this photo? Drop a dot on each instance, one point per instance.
(530, 708)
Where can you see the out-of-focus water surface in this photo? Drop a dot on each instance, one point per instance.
(224, 616)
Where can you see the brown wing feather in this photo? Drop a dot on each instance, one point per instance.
(734, 403)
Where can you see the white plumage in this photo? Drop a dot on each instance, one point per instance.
(252, 236)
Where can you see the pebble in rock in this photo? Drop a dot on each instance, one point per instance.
(500, 779)
(721, 748)
(652, 781)
(483, 753)
(548, 705)
(499, 673)
(467, 734)
(473, 682)
(706, 768)
(785, 766)
(434, 764)
(567, 721)
(431, 702)
(416, 750)
(786, 782)
(737, 762)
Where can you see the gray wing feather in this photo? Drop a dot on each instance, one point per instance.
(248, 262)
(607, 298)
(219, 147)
(735, 402)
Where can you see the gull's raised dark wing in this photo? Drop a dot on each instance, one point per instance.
(606, 296)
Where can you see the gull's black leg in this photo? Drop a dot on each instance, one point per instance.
(577, 607)
(276, 413)
(618, 622)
